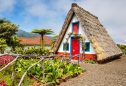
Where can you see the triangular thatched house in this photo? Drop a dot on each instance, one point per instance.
(79, 23)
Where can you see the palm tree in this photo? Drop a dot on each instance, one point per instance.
(42, 32)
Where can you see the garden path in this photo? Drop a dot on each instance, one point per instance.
(109, 74)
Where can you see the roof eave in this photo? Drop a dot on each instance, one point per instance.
(63, 31)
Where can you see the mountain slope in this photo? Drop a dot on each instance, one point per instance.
(22, 33)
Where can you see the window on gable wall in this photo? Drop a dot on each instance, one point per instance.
(87, 45)
(75, 27)
(66, 46)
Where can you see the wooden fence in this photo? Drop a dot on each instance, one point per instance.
(41, 59)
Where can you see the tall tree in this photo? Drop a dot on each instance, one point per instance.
(7, 31)
(42, 32)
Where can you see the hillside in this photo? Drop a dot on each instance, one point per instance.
(22, 33)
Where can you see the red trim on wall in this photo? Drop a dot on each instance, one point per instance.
(62, 53)
(90, 57)
(82, 57)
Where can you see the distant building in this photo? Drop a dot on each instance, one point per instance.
(35, 41)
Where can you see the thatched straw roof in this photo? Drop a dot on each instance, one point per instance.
(102, 43)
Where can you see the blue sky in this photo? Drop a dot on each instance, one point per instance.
(30, 14)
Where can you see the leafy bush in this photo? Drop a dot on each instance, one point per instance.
(3, 83)
(122, 47)
(90, 61)
(3, 45)
(23, 64)
(55, 70)
(31, 50)
(6, 59)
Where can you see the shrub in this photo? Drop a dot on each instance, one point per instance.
(90, 61)
(31, 50)
(55, 70)
(3, 45)
(2, 83)
(122, 47)
(6, 59)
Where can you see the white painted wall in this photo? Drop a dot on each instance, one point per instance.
(69, 30)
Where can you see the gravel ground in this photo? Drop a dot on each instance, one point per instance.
(109, 74)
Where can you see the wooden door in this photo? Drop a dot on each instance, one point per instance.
(75, 48)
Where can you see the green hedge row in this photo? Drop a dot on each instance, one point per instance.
(31, 50)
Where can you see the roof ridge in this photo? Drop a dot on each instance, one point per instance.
(74, 5)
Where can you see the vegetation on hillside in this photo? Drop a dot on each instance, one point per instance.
(122, 47)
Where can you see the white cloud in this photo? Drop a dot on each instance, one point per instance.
(51, 14)
(38, 8)
(112, 15)
(35, 8)
(48, 15)
(6, 5)
(110, 12)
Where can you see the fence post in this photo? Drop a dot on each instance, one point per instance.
(43, 74)
(78, 59)
(13, 72)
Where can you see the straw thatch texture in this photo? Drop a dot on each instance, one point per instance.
(102, 43)
(63, 31)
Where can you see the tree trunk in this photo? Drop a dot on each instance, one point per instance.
(42, 41)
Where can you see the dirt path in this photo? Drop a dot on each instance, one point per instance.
(109, 74)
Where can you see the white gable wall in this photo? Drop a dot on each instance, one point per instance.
(69, 30)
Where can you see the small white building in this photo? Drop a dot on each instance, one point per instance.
(81, 27)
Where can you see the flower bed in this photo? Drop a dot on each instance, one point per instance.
(4, 59)
(55, 71)
(2, 83)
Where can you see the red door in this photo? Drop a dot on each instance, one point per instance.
(75, 49)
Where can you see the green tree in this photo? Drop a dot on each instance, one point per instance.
(3, 45)
(42, 32)
(8, 31)
(122, 47)
(14, 41)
